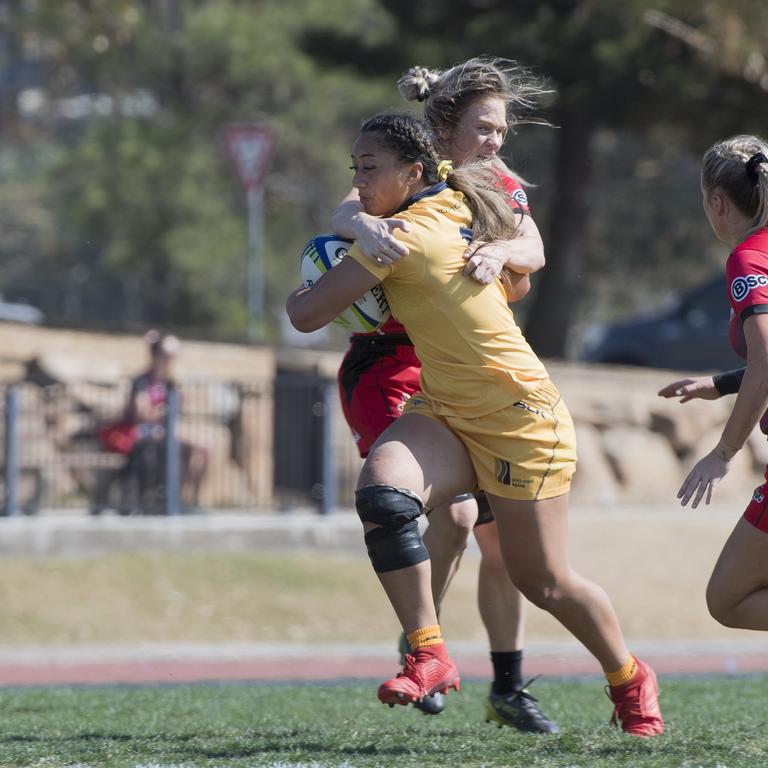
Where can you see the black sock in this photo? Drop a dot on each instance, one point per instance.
(507, 671)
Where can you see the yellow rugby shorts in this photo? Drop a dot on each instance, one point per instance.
(526, 451)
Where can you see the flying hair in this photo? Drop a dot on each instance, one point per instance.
(739, 167)
(448, 93)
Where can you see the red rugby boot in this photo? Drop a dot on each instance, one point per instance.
(425, 672)
(636, 703)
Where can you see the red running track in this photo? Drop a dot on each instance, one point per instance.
(335, 668)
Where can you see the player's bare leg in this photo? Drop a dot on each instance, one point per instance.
(416, 460)
(534, 544)
(502, 608)
(446, 538)
(737, 594)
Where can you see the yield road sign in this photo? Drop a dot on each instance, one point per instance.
(250, 147)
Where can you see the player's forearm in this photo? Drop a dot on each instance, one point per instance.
(306, 313)
(524, 254)
(750, 405)
(516, 285)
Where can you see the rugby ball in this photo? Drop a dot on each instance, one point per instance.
(324, 252)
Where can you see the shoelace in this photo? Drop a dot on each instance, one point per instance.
(525, 693)
(629, 707)
(527, 703)
(411, 671)
(527, 700)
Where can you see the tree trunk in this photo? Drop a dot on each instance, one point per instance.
(559, 289)
(11, 64)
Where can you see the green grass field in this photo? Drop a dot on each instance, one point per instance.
(712, 723)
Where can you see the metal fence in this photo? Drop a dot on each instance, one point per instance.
(52, 455)
(316, 461)
(277, 443)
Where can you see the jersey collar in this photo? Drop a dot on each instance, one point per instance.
(756, 241)
(428, 192)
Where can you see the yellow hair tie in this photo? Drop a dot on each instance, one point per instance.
(444, 167)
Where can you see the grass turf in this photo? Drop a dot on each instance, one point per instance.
(712, 723)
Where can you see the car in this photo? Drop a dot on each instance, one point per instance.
(17, 312)
(690, 335)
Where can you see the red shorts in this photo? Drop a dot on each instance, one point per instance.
(376, 378)
(756, 512)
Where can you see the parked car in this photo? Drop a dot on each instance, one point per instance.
(16, 312)
(691, 335)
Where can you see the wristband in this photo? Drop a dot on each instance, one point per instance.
(728, 383)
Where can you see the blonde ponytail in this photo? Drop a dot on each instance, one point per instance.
(493, 218)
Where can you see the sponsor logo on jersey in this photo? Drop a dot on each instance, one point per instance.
(758, 495)
(520, 197)
(741, 286)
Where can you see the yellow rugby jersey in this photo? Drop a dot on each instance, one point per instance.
(474, 357)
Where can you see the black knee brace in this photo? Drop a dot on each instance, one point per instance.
(484, 513)
(397, 543)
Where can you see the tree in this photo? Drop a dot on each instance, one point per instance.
(148, 215)
(611, 70)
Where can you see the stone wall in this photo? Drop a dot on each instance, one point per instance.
(71, 380)
(633, 445)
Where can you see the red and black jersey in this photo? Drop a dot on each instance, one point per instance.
(517, 197)
(746, 274)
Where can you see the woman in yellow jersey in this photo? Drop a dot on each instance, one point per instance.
(487, 416)
(470, 108)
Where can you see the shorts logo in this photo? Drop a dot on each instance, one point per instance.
(520, 197)
(503, 472)
(523, 406)
(741, 286)
(758, 495)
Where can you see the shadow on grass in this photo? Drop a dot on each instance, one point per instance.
(299, 748)
(74, 738)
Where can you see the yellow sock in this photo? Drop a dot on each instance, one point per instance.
(623, 675)
(424, 637)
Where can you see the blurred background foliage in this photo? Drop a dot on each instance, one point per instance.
(120, 209)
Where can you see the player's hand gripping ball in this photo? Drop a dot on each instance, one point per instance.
(324, 252)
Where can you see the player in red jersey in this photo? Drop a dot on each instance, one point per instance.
(470, 108)
(734, 184)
